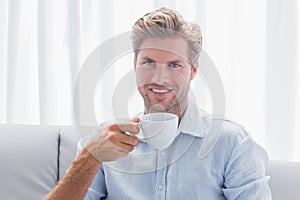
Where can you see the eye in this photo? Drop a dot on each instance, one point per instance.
(148, 63)
(174, 65)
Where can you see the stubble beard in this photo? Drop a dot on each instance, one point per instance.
(177, 104)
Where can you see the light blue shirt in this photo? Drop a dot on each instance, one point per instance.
(201, 163)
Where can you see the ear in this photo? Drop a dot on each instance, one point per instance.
(194, 70)
(134, 62)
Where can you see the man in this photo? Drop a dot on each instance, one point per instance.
(166, 51)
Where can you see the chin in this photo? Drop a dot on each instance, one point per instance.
(163, 106)
(157, 108)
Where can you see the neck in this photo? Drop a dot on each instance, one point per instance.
(177, 110)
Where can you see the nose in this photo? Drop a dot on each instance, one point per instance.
(160, 75)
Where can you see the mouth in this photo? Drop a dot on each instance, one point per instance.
(160, 93)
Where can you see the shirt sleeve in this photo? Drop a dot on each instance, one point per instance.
(97, 189)
(245, 172)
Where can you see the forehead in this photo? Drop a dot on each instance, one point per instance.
(161, 49)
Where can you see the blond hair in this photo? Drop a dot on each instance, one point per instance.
(166, 23)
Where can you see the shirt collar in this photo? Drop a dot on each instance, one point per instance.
(192, 122)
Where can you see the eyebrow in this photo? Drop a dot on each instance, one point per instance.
(175, 61)
(147, 58)
(169, 62)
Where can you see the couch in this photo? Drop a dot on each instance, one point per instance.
(35, 157)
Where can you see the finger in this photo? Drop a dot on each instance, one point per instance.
(124, 147)
(136, 119)
(125, 127)
(123, 138)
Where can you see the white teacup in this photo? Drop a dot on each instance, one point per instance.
(158, 129)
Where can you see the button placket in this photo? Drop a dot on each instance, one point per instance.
(162, 171)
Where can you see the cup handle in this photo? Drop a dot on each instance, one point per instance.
(141, 132)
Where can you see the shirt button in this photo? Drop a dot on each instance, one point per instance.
(161, 187)
(163, 154)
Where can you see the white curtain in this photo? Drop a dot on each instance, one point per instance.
(254, 45)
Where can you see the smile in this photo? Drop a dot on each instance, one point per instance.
(160, 91)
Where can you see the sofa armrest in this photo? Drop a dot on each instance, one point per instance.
(285, 179)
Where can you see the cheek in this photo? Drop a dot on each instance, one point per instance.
(181, 77)
(142, 77)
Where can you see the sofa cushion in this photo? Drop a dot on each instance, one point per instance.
(69, 137)
(28, 161)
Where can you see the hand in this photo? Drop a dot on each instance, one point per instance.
(113, 143)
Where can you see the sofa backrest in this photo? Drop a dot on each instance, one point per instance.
(34, 157)
(28, 161)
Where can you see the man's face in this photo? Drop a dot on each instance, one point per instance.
(163, 73)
